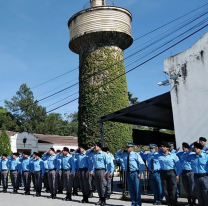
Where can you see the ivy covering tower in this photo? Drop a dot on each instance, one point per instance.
(5, 146)
(99, 35)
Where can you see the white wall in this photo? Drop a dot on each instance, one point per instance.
(189, 94)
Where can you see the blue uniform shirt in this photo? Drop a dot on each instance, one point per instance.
(52, 162)
(99, 160)
(24, 164)
(38, 165)
(135, 161)
(110, 163)
(148, 157)
(4, 164)
(82, 160)
(169, 162)
(186, 165)
(14, 164)
(90, 163)
(199, 163)
(45, 160)
(68, 163)
(173, 151)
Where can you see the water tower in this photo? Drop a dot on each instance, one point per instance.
(99, 34)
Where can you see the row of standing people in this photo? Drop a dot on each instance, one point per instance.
(165, 166)
(59, 171)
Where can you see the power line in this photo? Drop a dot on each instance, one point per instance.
(138, 65)
(134, 41)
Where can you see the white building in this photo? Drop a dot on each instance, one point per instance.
(39, 142)
(189, 93)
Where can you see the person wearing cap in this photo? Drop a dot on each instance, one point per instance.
(203, 141)
(69, 167)
(45, 157)
(25, 169)
(111, 167)
(13, 167)
(134, 166)
(154, 173)
(52, 173)
(4, 167)
(82, 166)
(38, 170)
(171, 145)
(199, 164)
(100, 170)
(170, 170)
(187, 174)
(60, 185)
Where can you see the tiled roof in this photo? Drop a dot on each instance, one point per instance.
(54, 139)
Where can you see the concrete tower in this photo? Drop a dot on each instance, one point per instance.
(99, 34)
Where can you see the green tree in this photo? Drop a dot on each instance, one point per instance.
(132, 100)
(8, 120)
(26, 110)
(5, 146)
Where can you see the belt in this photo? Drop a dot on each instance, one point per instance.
(37, 171)
(187, 171)
(132, 172)
(85, 168)
(52, 169)
(26, 171)
(13, 170)
(4, 170)
(200, 175)
(154, 171)
(172, 170)
(97, 169)
(46, 170)
(66, 170)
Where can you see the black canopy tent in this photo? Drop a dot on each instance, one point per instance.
(155, 112)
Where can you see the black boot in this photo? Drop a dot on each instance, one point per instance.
(91, 194)
(83, 200)
(5, 190)
(67, 198)
(99, 202)
(54, 196)
(193, 202)
(75, 192)
(102, 201)
(86, 199)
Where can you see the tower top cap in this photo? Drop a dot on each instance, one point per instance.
(94, 3)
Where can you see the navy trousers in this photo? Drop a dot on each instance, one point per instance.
(155, 183)
(134, 188)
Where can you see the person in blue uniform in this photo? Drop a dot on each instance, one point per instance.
(13, 167)
(134, 168)
(111, 167)
(82, 165)
(60, 174)
(32, 159)
(45, 157)
(171, 145)
(203, 142)
(154, 173)
(187, 175)
(69, 167)
(38, 169)
(170, 171)
(25, 170)
(99, 159)
(4, 168)
(91, 176)
(52, 173)
(199, 164)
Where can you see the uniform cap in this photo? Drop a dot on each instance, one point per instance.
(16, 154)
(152, 145)
(52, 149)
(171, 143)
(83, 146)
(198, 145)
(26, 153)
(98, 144)
(66, 149)
(38, 154)
(165, 144)
(71, 150)
(186, 145)
(129, 144)
(58, 150)
(202, 139)
(4, 155)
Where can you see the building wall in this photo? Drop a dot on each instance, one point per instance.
(189, 94)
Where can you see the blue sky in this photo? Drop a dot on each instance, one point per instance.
(34, 46)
